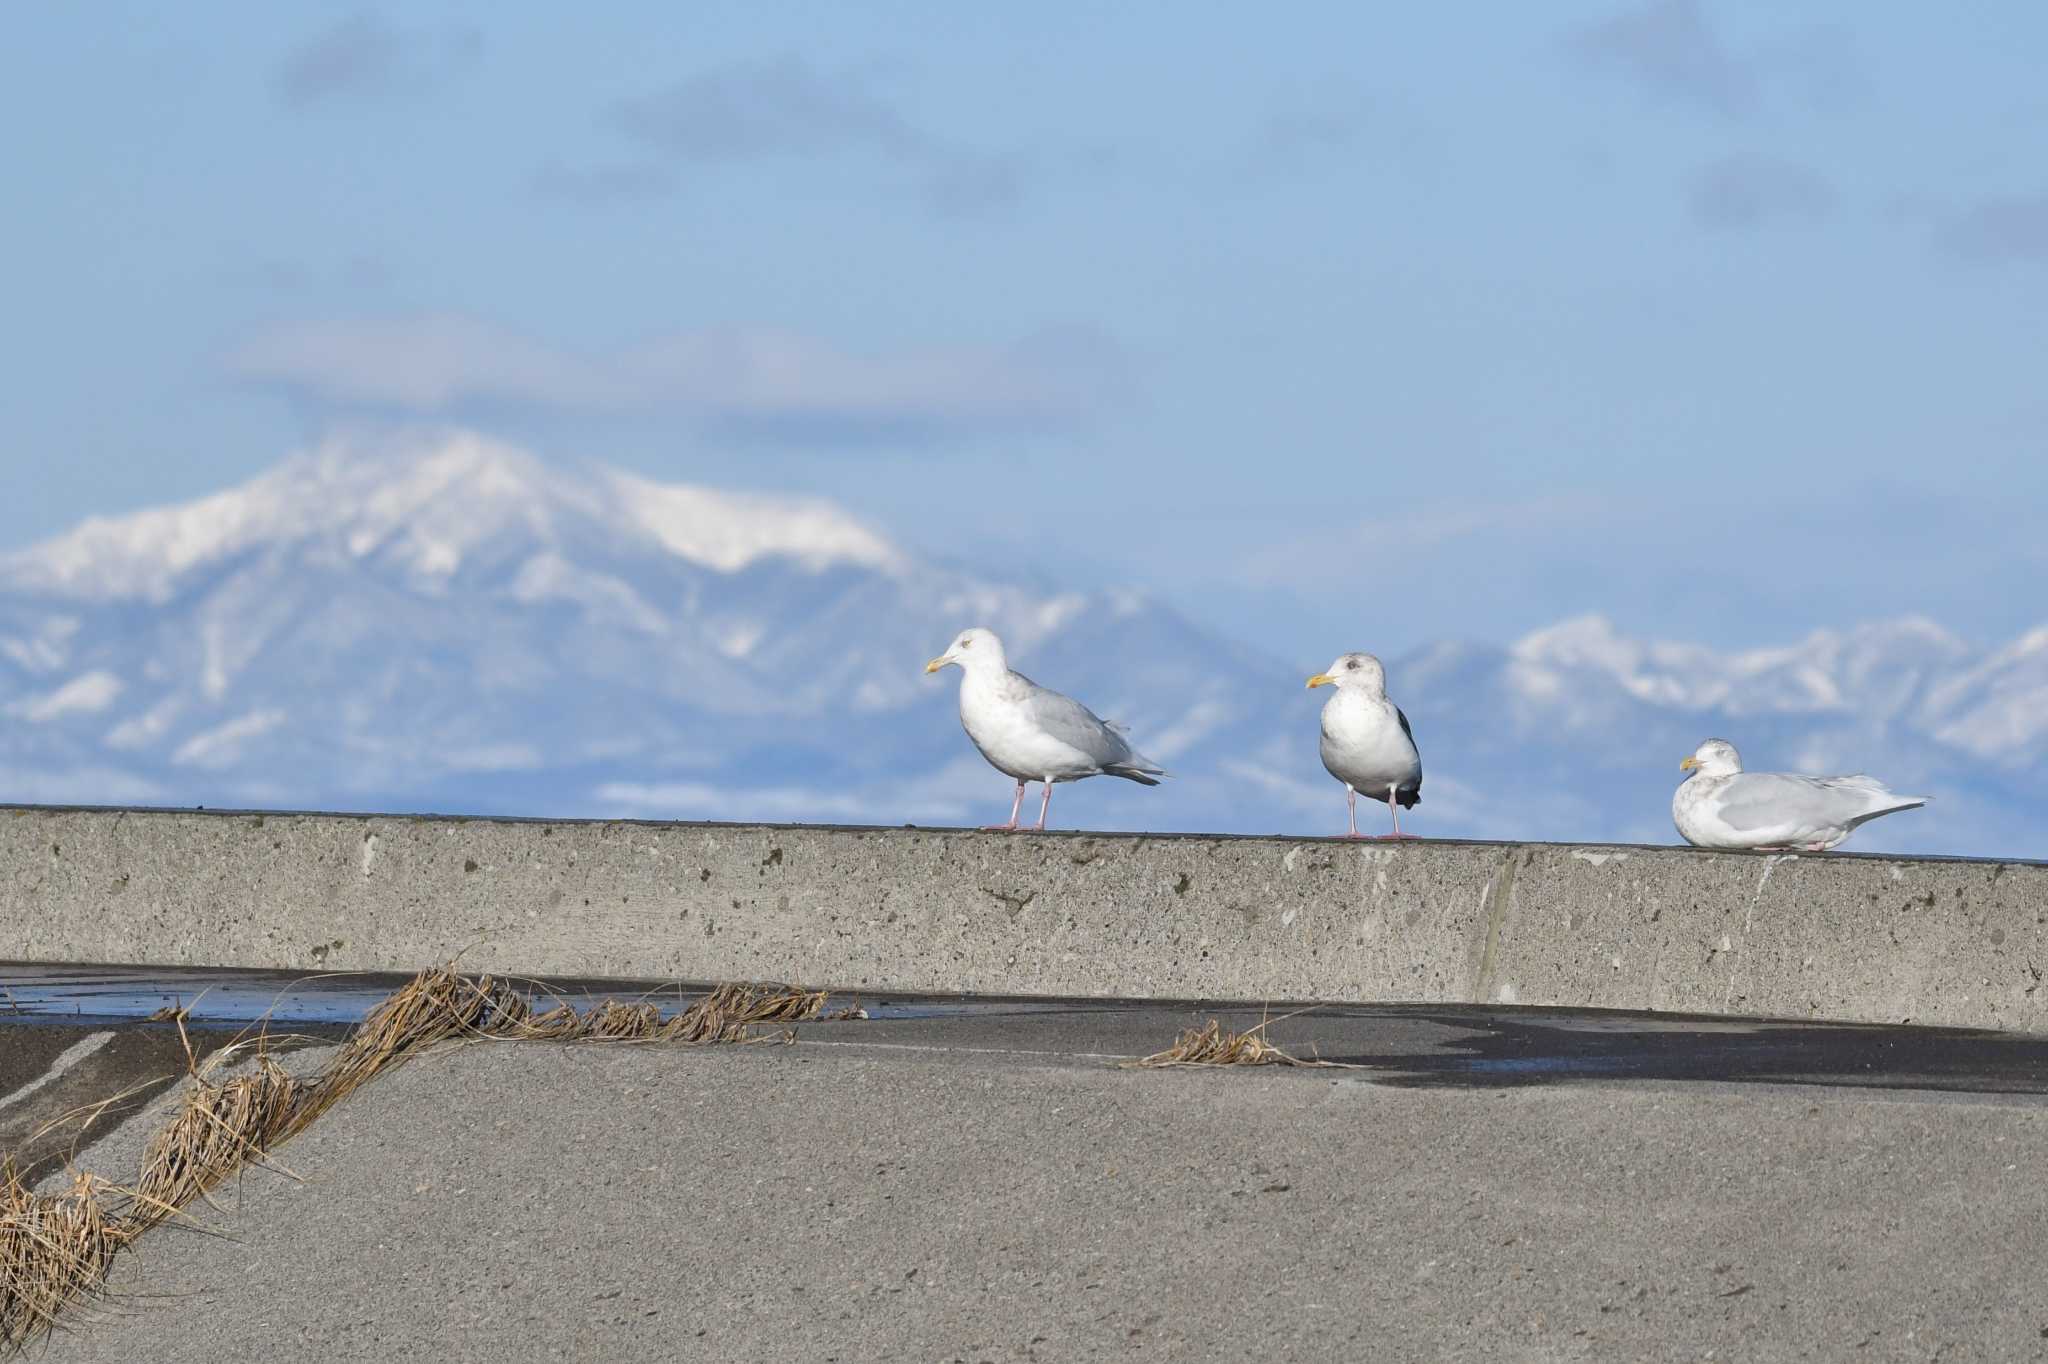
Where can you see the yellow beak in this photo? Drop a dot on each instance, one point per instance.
(935, 665)
(1689, 764)
(1321, 680)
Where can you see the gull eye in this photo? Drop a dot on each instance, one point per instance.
(967, 644)
(1352, 665)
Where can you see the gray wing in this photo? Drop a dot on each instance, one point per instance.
(1073, 723)
(1767, 800)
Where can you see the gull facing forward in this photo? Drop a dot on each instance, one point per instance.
(1367, 743)
(1031, 733)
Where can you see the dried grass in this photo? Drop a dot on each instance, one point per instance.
(55, 1250)
(1210, 1045)
(220, 1126)
(54, 1253)
(438, 1007)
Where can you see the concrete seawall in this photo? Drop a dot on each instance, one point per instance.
(1876, 939)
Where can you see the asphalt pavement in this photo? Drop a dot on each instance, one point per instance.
(982, 1180)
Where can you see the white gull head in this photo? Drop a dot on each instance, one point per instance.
(1714, 758)
(1354, 672)
(972, 651)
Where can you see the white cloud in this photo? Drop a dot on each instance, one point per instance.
(222, 745)
(1423, 530)
(73, 785)
(762, 379)
(678, 798)
(47, 648)
(86, 694)
(786, 109)
(780, 107)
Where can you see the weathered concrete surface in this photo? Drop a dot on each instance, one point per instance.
(1848, 937)
(851, 1202)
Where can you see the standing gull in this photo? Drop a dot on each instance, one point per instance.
(1722, 806)
(1367, 743)
(1030, 733)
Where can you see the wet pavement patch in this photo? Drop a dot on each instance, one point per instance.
(85, 995)
(62, 1085)
(1532, 1047)
(72, 1036)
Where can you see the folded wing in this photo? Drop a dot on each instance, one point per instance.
(1074, 724)
(1756, 801)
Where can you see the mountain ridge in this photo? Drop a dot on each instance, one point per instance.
(448, 620)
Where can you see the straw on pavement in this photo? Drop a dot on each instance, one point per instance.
(1211, 1045)
(55, 1249)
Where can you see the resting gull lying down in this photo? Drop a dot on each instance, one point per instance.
(1722, 806)
(1031, 733)
(1367, 743)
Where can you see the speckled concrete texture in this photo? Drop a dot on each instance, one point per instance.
(1838, 936)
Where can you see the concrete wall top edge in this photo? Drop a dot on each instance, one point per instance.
(1123, 835)
(1869, 938)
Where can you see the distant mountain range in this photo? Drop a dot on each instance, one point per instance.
(449, 624)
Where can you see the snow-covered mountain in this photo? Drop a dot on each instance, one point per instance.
(450, 624)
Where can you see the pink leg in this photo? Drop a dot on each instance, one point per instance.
(1044, 805)
(1351, 807)
(1015, 806)
(1395, 810)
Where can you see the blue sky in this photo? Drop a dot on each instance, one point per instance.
(1346, 327)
